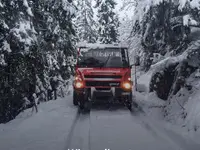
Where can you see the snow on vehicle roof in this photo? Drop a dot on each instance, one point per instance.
(102, 46)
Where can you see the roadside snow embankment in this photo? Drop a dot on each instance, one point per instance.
(183, 110)
(46, 129)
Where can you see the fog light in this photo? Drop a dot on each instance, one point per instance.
(79, 85)
(127, 86)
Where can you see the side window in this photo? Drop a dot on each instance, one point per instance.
(125, 57)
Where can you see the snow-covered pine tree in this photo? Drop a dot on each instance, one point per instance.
(165, 28)
(108, 22)
(17, 45)
(163, 25)
(36, 42)
(84, 21)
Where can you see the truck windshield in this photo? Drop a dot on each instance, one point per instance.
(108, 57)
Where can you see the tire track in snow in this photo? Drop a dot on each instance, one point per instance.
(79, 136)
(69, 137)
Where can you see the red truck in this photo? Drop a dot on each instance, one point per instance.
(103, 71)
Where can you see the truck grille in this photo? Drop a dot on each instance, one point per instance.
(103, 76)
(103, 84)
(105, 89)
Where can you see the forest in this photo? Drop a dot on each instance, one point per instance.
(38, 44)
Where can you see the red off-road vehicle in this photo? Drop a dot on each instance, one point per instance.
(103, 71)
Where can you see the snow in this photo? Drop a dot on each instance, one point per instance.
(197, 75)
(184, 107)
(102, 46)
(136, 10)
(68, 7)
(192, 3)
(25, 3)
(192, 107)
(28, 9)
(47, 129)
(6, 46)
(157, 57)
(195, 4)
(59, 125)
(2, 60)
(144, 82)
(25, 33)
(182, 113)
(188, 20)
(65, 4)
(5, 25)
(56, 30)
(172, 60)
(50, 19)
(182, 4)
(1, 5)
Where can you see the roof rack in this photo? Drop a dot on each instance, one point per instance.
(102, 46)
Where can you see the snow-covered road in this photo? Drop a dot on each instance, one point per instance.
(60, 126)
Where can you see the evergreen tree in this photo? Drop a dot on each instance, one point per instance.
(107, 21)
(164, 26)
(36, 42)
(84, 21)
(165, 31)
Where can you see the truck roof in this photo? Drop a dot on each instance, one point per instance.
(102, 46)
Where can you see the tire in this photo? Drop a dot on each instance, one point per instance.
(75, 99)
(82, 105)
(129, 102)
(87, 107)
(85, 104)
(130, 106)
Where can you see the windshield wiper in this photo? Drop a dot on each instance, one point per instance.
(92, 62)
(105, 63)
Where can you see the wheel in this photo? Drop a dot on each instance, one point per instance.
(82, 105)
(129, 102)
(85, 103)
(129, 106)
(75, 99)
(87, 106)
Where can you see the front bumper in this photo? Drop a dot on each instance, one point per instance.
(98, 93)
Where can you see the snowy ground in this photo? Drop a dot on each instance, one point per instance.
(183, 113)
(59, 125)
(47, 129)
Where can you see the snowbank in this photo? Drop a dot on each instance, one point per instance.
(184, 109)
(47, 129)
(144, 82)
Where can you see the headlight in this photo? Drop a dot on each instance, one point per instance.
(79, 85)
(127, 85)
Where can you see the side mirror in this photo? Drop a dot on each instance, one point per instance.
(137, 61)
(137, 64)
(131, 66)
